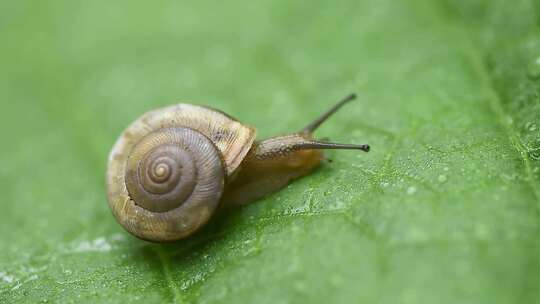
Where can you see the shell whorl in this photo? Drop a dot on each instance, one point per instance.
(163, 168)
(167, 171)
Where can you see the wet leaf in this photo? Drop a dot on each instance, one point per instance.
(445, 209)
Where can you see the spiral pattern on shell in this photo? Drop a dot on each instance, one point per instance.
(161, 169)
(167, 171)
(174, 179)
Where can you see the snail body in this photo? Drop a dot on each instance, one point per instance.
(173, 167)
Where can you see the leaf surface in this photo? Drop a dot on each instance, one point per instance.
(444, 209)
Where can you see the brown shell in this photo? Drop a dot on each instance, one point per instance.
(231, 139)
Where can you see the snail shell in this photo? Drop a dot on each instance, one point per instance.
(167, 171)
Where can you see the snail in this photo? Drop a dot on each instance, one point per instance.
(174, 167)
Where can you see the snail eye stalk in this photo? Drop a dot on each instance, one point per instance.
(314, 144)
(309, 143)
(311, 127)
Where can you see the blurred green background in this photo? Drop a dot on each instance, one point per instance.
(445, 209)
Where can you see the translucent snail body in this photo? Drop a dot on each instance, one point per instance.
(173, 167)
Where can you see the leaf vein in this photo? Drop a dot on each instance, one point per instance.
(165, 264)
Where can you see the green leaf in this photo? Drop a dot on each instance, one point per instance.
(445, 209)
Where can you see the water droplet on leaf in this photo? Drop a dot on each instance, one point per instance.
(534, 154)
(531, 126)
(442, 178)
(411, 190)
(534, 69)
(510, 120)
